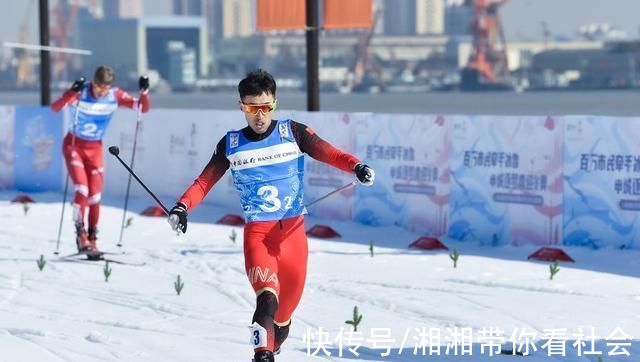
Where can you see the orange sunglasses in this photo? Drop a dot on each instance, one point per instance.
(254, 108)
(102, 87)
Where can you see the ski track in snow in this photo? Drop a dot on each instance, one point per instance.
(30, 338)
(490, 284)
(11, 286)
(390, 304)
(418, 314)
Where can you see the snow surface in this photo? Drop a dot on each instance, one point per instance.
(68, 313)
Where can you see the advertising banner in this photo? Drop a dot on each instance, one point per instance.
(320, 178)
(506, 180)
(38, 149)
(7, 154)
(602, 182)
(497, 180)
(410, 155)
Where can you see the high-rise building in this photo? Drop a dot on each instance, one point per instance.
(182, 65)
(117, 9)
(148, 43)
(225, 18)
(238, 18)
(189, 30)
(399, 17)
(410, 17)
(458, 20)
(430, 16)
(188, 7)
(212, 11)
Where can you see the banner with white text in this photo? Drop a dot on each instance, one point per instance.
(506, 180)
(602, 182)
(410, 155)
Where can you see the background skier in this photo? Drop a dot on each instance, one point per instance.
(96, 102)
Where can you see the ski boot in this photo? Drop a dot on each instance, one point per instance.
(93, 247)
(263, 356)
(82, 240)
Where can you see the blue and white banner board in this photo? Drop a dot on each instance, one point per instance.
(602, 182)
(410, 154)
(506, 180)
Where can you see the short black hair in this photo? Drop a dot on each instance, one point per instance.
(257, 82)
(104, 75)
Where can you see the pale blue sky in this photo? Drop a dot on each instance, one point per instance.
(522, 18)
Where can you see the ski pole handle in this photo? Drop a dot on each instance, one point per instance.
(114, 150)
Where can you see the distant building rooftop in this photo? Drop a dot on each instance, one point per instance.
(173, 21)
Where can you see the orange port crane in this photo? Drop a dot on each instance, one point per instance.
(25, 76)
(488, 67)
(364, 61)
(65, 18)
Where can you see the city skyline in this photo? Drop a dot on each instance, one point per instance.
(522, 19)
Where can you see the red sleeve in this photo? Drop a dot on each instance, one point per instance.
(321, 150)
(211, 174)
(67, 97)
(126, 100)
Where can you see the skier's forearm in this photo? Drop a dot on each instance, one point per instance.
(144, 101)
(126, 100)
(66, 98)
(211, 174)
(199, 189)
(321, 150)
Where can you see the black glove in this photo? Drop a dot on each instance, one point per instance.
(365, 174)
(178, 218)
(78, 84)
(143, 83)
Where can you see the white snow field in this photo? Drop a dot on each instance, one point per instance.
(67, 312)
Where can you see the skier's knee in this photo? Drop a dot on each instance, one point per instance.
(266, 306)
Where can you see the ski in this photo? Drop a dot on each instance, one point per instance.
(93, 261)
(93, 256)
(91, 253)
(123, 262)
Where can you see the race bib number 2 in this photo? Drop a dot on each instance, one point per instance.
(89, 129)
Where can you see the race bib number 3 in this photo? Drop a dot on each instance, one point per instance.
(271, 202)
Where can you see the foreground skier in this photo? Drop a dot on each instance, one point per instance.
(267, 165)
(82, 147)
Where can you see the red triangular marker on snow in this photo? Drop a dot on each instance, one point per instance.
(22, 198)
(428, 243)
(231, 219)
(550, 254)
(153, 211)
(323, 231)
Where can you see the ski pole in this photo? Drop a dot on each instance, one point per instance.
(114, 150)
(341, 188)
(133, 157)
(64, 202)
(66, 181)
